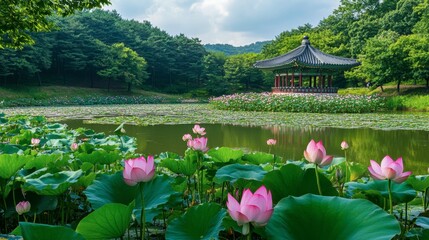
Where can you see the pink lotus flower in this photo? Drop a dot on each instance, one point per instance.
(344, 145)
(389, 169)
(316, 153)
(35, 141)
(254, 208)
(138, 170)
(74, 146)
(199, 130)
(187, 137)
(198, 144)
(271, 142)
(23, 207)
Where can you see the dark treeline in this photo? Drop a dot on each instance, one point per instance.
(100, 49)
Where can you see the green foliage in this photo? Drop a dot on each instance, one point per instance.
(51, 184)
(27, 16)
(99, 224)
(291, 180)
(33, 231)
(229, 50)
(110, 189)
(200, 222)
(331, 218)
(234, 172)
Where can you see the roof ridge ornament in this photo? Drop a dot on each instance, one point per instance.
(305, 41)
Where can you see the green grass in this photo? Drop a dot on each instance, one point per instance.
(409, 98)
(60, 95)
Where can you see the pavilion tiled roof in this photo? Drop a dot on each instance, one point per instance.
(306, 56)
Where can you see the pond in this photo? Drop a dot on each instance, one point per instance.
(365, 143)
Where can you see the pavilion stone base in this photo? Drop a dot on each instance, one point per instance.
(304, 90)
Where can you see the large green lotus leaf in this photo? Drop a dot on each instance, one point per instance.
(225, 154)
(155, 193)
(419, 183)
(186, 166)
(401, 193)
(203, 222)
(258, 158)
(33, 231)
(10, 149)
(107, 222)
(11, 163)
(42, 161)
(52, 184)
(100, 157)
(110, 189)
(292, 180)
(422, 222)
(322, 217)
(234, 172)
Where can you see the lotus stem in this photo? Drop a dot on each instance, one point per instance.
(142, 217)
(390, 196)
(317, 180)
(406, 216)
(346, 179)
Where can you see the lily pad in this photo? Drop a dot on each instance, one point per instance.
(52, 184)
(292, 180)
(203, 222)
(110, 189)
(11, 163)
(330, 218)
(234, 172)
(33, 231)
(401, 193)
(107, 222)
(225, 154)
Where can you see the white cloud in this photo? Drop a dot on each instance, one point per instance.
(236, 22)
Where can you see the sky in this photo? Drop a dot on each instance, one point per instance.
(235, 22)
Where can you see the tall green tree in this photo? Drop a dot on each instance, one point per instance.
(124, 65)
(19, 17)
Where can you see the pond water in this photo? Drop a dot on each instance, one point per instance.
(365, 143)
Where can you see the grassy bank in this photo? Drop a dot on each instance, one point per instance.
(409, 98)
(60, 95)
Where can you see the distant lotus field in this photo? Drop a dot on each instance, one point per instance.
(315, 103)
(60, 183)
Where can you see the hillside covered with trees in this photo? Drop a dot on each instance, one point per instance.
(99, 49)
(232, 50)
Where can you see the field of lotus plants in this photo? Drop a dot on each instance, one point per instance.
(314, 103)
(60, 183)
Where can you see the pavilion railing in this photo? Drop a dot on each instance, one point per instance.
(304, 90)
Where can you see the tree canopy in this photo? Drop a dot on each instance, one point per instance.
(19, 17)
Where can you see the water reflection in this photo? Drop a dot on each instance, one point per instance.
(365, 143)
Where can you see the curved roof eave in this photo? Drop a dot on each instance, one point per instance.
(306, 56)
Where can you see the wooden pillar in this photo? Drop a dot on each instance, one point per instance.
(323, 81)
(300, 79)
(276, 81)
(287, 79)
(293, 80)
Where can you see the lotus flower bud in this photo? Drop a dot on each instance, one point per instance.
(23, 207)
(271, 142)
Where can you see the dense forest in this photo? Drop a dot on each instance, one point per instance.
(232, 50)
(100, 49)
